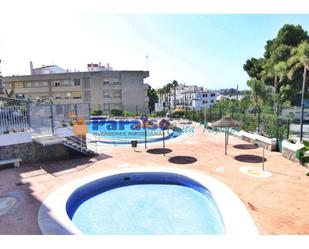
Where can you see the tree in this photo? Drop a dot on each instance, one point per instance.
(254, 67)
(258, 90)
(174, 85)
(273, 67)
(153, 98)
(9, 94)
(300, 59)
(290, 35)
(168, 87)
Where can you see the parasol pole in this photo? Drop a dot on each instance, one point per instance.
(225, 141)
(145, 135)
(205, 118)
(163, 143)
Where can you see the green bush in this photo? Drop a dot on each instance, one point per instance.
(178, 113)
(96, 112)
(117, 112)
(129, 114)
(159, 114)
(153, 115)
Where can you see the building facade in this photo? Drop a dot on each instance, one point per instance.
(104, 90)
(190, 97)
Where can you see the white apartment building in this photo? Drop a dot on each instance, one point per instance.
(191, 97)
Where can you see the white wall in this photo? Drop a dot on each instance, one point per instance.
(15, 138)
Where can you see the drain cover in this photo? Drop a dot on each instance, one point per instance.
(255, 171)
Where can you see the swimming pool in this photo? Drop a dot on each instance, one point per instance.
(124, 131)
(145, 201)
(139, 203)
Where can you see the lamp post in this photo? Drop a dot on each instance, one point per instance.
(302, 103)
(52, 116)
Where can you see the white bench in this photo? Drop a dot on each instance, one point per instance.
(16, 161)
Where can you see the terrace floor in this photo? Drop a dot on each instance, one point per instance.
(278, 204)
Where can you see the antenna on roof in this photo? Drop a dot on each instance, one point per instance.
(147, 63)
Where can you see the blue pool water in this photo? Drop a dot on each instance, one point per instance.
(149, 209)
(124, 131)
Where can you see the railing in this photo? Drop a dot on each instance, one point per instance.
(43, 118)
(42, 132)
(84, 142)
(13, 119)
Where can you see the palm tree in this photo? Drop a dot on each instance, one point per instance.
(174, 85)
(10, 93)
(168, 90)
(278, 72)
(300, 59)
(257, 89)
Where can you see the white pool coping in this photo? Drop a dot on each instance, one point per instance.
(53, 218)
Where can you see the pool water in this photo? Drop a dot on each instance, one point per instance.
(149, 209)
(127, 130)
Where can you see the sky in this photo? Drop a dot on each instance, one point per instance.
(202, 49)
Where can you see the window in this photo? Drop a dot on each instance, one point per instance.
(76, 95)
(116, 82)
(116, 94)
(56, 83)
(203, 101)
(212, 101)
(212, 95)
(106, 94)
(58, 97)
(206, 101)
(44, 83)
(204, 95)
(106, 82)
(76, 82)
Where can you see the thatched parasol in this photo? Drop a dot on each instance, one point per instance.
(226, 123)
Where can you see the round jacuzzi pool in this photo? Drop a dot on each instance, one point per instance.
(124, 131)
(145, 201)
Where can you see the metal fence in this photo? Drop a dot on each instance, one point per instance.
(42, 118)
(13, 119)
(263, 121)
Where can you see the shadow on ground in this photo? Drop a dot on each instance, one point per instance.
(250, 158)
(182, 159)
(61, 166)
(22, 217)
(159, 151)
(246, 146)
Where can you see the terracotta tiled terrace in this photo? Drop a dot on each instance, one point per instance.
(278, 204)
